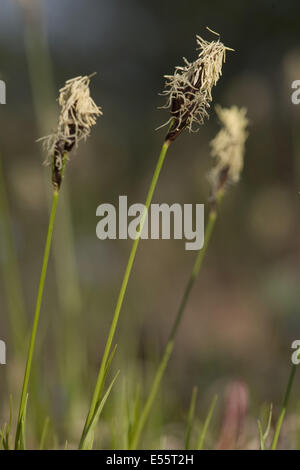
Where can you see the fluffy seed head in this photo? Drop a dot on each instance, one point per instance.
(78, 114)
(228, 147)
(189, 90)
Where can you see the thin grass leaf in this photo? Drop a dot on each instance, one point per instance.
(23, 427)
(5, 434)
(114, 438)
(1, 440)
(107, 366)
(88, 438)
(133, 422)
(127, 416)
(267, 431)
(132, 417)
(263, 436)
(190, 419)
(109, 361)
(4, 443)
(206, 422)
(44, 433)
(10, 419)
(136, 413)
(124, 421)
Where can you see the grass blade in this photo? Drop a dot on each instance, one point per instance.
(88, 438)
(190, 419)
(207, 422)
(44, 433)
(263, 436)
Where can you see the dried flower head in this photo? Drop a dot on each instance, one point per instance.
(78, 114)
(189, 90)
(228, 147)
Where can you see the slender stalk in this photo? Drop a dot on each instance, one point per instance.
(69, 294)
(102, 370)
(43, 93)
(170, 344)
(37, 313)
(283, 407)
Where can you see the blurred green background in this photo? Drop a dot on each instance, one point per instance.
(244, 312)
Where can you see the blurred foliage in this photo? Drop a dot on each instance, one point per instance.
(244, 312)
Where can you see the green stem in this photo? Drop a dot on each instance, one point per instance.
(283, 407)
(170, 344)
(37, 314)
(71, 358)
(102, 370)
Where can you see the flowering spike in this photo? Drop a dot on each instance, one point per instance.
(189, 90)
(228, 147)
(78, 114)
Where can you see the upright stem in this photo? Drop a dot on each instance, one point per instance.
(102, 370)
(37, 313)
(283, 407)
(170, 344)
(65, 263)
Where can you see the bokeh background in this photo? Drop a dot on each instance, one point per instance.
(244, 311)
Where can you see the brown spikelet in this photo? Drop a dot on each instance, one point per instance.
(189, 90)
(78, 114)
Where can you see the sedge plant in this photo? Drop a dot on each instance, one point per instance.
(189, 93)
(228, 150)
(71, 361)
(78, 114)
